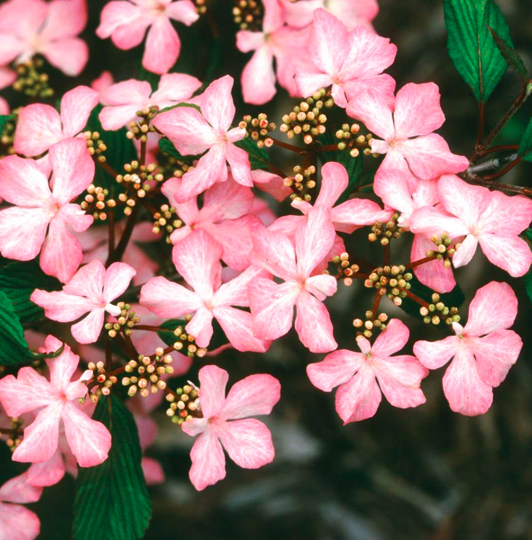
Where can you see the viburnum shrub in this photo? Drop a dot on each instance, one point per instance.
(149, 227)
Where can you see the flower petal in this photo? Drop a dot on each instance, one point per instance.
(68, 55)
(213, 381)
(313, 324)
(435, 354)
(335, 369)
(392, 340)
(208, 461)
(47, 473)
(359, 398)
(258, 77)
(76, 107)
(168, 299)
(237, 326)
(162, 47)
(510, 253)
(217, 103)
(117, 279)
(88, 329)
(27, 392)
(38, 128)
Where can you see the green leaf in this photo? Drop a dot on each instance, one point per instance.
(525, 146)
(13, 347)
(258, 157)
(167, 335)
(510, 55)
(4, 119)
(112, 501)
(18, 280)
(471, 46)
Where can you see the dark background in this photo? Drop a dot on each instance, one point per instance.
(424, 473)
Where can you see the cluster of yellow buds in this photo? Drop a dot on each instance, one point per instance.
(137, 182)
(301, 183)
(15, 436)
(201, 7)
(124, 322)
(186, 343)
(444, 249)
(184, 404)
(438, 311)
(96, 202)
(386, 231)
(104, 381)
(144, 375)
(7, 136)
(349, 140)
(31, 81)
(307, 118)
(371, 323)
(345, 268)
(248, 14)
(258, 129)
(139, 130)
(166, 220)
(95, 145)
(392, 281)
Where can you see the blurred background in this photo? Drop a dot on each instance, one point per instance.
(426, 473)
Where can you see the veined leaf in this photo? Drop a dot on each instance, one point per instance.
(14, 350)
(510, 55)
(258, 157)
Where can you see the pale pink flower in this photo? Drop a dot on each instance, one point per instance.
(358, 396)
(352, 12)
(482, 353)
(223, 216)
(104, 81)
(89, 440)
(197, 259)
(276, 41)
(126, 24)
(31, 27)
(193, 133)
(40, 126)
(15, 520)
(271, 183)
(407, 129)
(484, 217)
(272, 305)
(7, 77)
(4, 108)
(124, 99)
(38, 222)
(91, 291)
(350, 61)
(225, 425)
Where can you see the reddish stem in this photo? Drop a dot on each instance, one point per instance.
(420, 262)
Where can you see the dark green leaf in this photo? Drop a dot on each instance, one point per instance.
(167, 335)
(258, 157)
(13, 347)
(18, 280)
(510, 55)
(525, 146)
(215, 61)
(4, 118)
(471, 46)
(112, 501)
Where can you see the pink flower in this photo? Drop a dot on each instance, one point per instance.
(40, 218)
(15, 520)
(40, 126)
(482, 353)
(89, 440)
(275, 41)
(358, 396)
(197, 259)
(407, 129)
(103, 82)
(225, 423)
(272, 305)
(271, 183)
(223, 217)
(126, 23)
(484, 217)
(193, 133)
(91, 291)
(124, 99)
(31, 27)
(352, 12)
(350, 61)
(7, 77)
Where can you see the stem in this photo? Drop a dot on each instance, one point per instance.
(151, 328)
(502, 187)
(500, 148)
(107, 168)
(490, 165)
(386, 255)
(503, 171)
(132, 350)
(111, 227)
(126, 236)
(481, 123)
(420, 262)
(108, 354)
(143, 146)
(416, 298)
(376, 303)
(286, 146)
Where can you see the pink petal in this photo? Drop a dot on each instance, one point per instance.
(217, 103)
(418, 110)
(183, 11)
(334, 181)
(117, 14)
(76, 217)
(168, 299)
(60, 306)
(258, 77)
(65, 18)
(392, 340)
(68, 55)
(435, 221)
(504, 215)
(208, 461)
(435, 354)
(240, 167)
(393, 187)
(213, 381)
(465, 251)
(117, 279)
(63, 367)
(321, 286)
(235, 292)
(248, 442)
(373, 110)
(337, 368)
(359, 398)
(116, 117)
(162, 47)
(309, 80)
(313, 324)
(38, 128)
(432, 274)
(483, 318)
(231, 199)
(356, 213)
(237, 326)
(27, 392)
(153, 471)
(76, 107)
(175, 88)
(10, 48)
(19, 490)
(47, 473)
(465, 391)
(130, 92)
(510, 253)
(18, 522)
(88, 329)
(247, 41)
(201, 327)
(88, 282)
(235, 238)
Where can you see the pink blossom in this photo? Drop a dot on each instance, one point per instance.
(226, 424)
(484, 217)
(272, 305)
(193, 133)
(38, 222)
(31, 27)
(352, 12)
(407, 129)
(104, 81)
(197, 259)
(223, 216)
(271, 183)
(89, 440)
(91, 291)
(126, 24)
(276, 41)
(40, 126)
(482, 353)
(4, 108)
(124, 99)
(350, 61)
(15, 520)
(358, 396)
(7, 77)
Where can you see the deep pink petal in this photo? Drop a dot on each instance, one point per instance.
(47, 473)
(258, 77)
(432, 274)
(392, 340)
(18, 522)
(359, 398)
(337, 368)
(153, 471)
(208, 461)
(237, 326)
(333, 183)
(20, 490)
(313, 324)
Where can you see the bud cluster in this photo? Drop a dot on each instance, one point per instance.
(438, 311)
(444, 250)
(301, 183)
(386, 231)
(15, 436)
(104, 381)
(349, 141)
(307, 118)
(137, 181)
(371, 323)
(345, 268)
(391, 281)
(31, 81)
(166, 219)
(95, 145)
(7, 136)
(248, 14)
(201, 8)
(184, 404)
(144, 375)
(258, 129)
(186, 344)
(125, 321)
(96, 201)
(139, 130)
